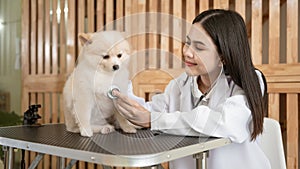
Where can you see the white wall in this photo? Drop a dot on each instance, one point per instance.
(10, 33)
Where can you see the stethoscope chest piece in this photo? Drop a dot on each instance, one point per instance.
(110, 92)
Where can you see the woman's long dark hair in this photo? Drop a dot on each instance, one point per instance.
(228, 32)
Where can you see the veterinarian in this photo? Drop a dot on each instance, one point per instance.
(220, 94)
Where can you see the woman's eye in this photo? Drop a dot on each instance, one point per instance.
(119, 55)
(106, 57)
(198, 47)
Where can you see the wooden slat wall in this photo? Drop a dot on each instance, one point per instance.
(292, 98)
(256, 34)
(50, 48)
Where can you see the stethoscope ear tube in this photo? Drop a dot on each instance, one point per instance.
(206, 93)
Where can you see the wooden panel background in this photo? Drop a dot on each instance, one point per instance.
(50, 48)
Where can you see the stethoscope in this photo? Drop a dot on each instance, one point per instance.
(193, 95)
(110, 92)
(192, 87)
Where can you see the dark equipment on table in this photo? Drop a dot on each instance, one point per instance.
(31, 116)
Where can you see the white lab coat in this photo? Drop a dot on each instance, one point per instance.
(222, 113)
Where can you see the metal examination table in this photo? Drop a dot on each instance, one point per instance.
(146, 148)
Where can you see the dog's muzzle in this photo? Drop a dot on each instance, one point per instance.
(110, 92)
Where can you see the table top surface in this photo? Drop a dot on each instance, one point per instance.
(144, 148)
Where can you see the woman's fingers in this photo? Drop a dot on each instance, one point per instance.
(124, 112)
(126, 108)
(124, 104)
(124, 98)
(131, 110)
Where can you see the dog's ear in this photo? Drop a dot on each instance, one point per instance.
(84, 38)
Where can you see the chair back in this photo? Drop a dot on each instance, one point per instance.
(272, 145)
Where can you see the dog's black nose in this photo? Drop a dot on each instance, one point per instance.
(115, 67)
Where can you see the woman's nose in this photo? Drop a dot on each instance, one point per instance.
(187, 51)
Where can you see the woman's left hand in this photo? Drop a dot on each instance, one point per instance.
(132, 110)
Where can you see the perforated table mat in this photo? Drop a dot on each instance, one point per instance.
(143, 148)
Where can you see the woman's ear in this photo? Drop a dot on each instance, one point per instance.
(84, 38)
(222, 62)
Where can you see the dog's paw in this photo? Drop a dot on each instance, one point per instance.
(128, 129)
(73, 129)
(86, 132)
(107, 129)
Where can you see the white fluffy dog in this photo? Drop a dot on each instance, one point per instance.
(103, 62)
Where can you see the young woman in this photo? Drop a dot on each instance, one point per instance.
(220, 94)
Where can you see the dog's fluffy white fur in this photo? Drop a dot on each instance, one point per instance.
(103, 62)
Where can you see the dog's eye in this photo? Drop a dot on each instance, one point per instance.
(119, 55)
(106, 57)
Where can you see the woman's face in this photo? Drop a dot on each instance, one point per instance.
(200, 54)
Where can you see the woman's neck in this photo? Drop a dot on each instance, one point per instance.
(205, 82)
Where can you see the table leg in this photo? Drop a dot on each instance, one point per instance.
(71, 164)
(159, 166)
(61, 162)
(150, 167)
(201, 160)
(8, 158)
(11, 157)
(36, 161)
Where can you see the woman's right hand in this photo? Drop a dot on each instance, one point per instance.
(132, 110)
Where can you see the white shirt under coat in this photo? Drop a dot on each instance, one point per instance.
(224, 112)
